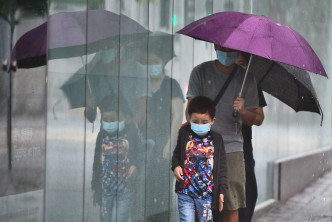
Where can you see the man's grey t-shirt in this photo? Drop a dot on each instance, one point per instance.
(206, 80)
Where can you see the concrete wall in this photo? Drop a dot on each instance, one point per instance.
(297, 172)
(294, 174)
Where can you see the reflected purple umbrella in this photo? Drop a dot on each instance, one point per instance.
(71, 34)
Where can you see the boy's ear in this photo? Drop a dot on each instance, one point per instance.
(212, 122)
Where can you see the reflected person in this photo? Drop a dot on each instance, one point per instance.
(115, 162)
(115, 73)
(164, 116)
(207, 79)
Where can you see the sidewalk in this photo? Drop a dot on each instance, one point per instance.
(313, 204)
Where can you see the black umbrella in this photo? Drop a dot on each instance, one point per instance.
(99, 81)
(289, 84)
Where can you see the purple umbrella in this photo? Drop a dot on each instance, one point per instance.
(258, 35)
(281, 55)
(73, 34)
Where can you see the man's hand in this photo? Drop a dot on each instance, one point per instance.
(178, 173)
(239, 105)
(221, 202)
(132, 171)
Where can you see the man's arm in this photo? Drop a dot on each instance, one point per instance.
(248, 116)
(259, 116)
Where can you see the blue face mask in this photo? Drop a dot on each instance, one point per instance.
(112, 127)
(154, 71)
(108, 55)
(200, 129)
(226, 58)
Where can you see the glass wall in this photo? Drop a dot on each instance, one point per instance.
(108, 95)
(22, 115)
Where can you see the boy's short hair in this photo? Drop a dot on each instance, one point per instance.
(202, 104)
(115, 103)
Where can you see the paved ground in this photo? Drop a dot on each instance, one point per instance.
(313, 204)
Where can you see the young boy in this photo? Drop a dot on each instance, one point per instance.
(199, 164)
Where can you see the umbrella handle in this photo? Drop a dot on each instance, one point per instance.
(235, 113)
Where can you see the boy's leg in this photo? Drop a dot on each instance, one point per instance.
(106, 208)
(203, 209)
(122, 207)
(186, 207)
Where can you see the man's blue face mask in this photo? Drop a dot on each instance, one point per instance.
(227, 58)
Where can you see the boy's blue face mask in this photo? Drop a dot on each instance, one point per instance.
(200, 129)
(226, 58)
(112, 127)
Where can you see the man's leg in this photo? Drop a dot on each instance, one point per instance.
(231, 216)
(186, 207)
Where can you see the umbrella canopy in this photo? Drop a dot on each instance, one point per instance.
(258, 35)
(73, 34)
(281, 55)
(290, 85)
(103, 81)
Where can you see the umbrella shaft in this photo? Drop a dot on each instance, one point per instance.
(245, 75)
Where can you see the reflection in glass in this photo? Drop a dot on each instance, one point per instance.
(161, 120)
(116, 161)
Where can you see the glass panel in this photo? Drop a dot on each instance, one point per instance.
(22, 115)
(66, 124)
(5, 81)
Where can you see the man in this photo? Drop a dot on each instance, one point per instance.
(206, 80)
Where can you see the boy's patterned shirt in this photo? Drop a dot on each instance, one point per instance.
(116, 165)
(198, 168)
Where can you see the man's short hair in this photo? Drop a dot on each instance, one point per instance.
(202, 104)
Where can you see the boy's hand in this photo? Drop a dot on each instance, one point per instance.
(221, 202)
(178, 173)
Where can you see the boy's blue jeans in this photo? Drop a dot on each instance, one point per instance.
(187, 206)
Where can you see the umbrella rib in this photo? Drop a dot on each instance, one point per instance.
(301, 48)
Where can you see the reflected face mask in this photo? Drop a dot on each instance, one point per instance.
(226, 58)
(154, 71)
(200, 129)
(108, 55)
(112, 127)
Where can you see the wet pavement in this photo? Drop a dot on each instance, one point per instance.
(313, 204)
